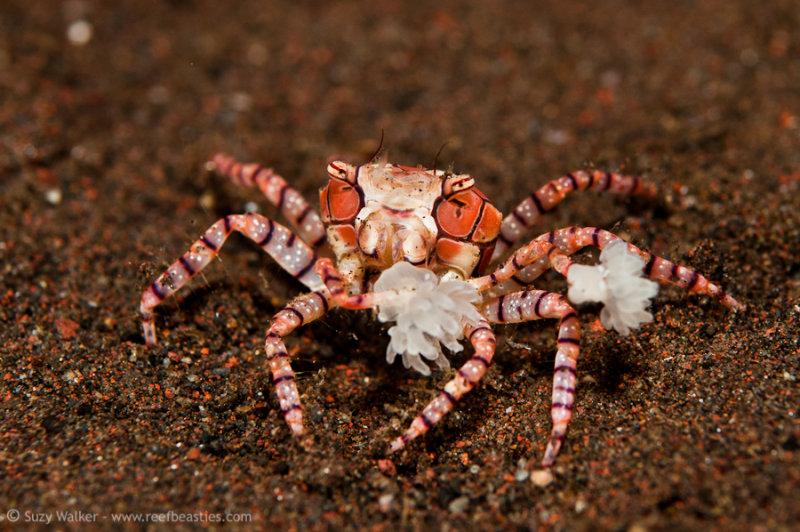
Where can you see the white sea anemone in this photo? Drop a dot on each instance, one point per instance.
(618, 283)
(428, 314)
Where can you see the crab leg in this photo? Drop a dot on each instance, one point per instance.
(523, 277)
(289, 251)
(527, 213)
(331, 279)
(335, 284)
(291, 204)
(467, 377)
(304, 309)
(538, 254)
(571, 239)
(537, 304)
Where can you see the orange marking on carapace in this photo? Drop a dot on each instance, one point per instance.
(340, 201)
(458, 214)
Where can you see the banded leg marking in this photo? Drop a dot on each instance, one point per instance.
(527, 213)
(335, 284)
(291, 253)
(537, 255)
(289, 201)
(302, 310)
(529, 262)
(538, 304)
(524, 277)
(331, 279)
(571, 239)
(467, 377)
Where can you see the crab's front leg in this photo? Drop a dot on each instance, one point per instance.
(537, 304)
(467, 377)
(537, 253)
(337, 287)
(571, 239)
(302, 310)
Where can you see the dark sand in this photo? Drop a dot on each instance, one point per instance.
(689, 423)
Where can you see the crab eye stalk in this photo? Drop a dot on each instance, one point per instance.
(340, 170)
(453, 184)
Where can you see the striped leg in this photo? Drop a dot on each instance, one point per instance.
(292, 205)
(332, 280)
(537, 255)
(523, 278)
(537, 304)
(534, 206)
(335, 284)
(468, 375)
(571, 239)
(304, 309)
(289, 251)
(531, 260)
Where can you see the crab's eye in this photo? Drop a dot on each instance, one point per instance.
(340, 201)
(337, 170)
(453, 184)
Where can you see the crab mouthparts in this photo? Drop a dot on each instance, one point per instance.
(409, 246)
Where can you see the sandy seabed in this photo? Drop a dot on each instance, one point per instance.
(108, 114)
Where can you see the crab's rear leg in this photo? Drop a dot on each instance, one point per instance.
(531, 209)
(302, 310)
(530, 305)
(289, 201)
(467, 377)
(290, 252)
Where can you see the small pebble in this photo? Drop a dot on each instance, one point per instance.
(541, 477)
(459, 504)
(67, 328)
(193, 453)
(387, 467)
(522, 473)
(385, 502)
(79, 32)
(53, 196)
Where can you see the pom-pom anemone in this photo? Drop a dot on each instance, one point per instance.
(427, 312)
(618, 283)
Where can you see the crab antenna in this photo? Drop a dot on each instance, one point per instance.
(436, 159)
(380, 145)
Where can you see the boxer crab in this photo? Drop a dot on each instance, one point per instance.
(416, 244)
